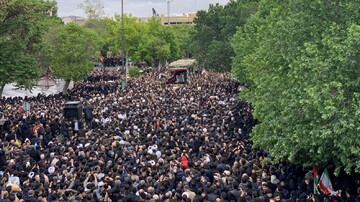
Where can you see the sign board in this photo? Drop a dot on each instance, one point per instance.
(14, 181)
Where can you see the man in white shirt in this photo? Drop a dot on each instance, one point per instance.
(76, 126)
(189, 194)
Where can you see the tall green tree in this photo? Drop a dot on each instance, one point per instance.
(133, 32)
(149, 41)
(300, 60)
(162, 45)
(102, 26)
(183, 35)
(218, 55)
(21, 30)
(214, 30)
(97, 21)
(207, 29)
(94, 9)
(73, 50)
(54, 26)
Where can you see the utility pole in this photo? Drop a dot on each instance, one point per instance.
(168, 10)
(123, 41)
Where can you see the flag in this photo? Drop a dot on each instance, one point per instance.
(316, 180)
(326, 186)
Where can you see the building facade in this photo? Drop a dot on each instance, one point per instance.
(173, 20)
(75, 19)
(164, 19)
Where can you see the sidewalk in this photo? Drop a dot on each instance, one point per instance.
(44, 87)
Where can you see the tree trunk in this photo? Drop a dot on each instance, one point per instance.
(66, 86)
(2, 86)
(159, 66)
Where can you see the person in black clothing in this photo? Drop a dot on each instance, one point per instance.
(88, 114)
(76, 126)
(197, 144)
(55, 126)
(34, 153)
(133, 152)
(65, 129)
(2, 157)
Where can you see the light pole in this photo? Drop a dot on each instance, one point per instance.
(168, 10)
(123, 41)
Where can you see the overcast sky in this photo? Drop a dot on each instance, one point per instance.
(139, 8)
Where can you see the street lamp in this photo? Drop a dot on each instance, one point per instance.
(168, 10)
(123, 41)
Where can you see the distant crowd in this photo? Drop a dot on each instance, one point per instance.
(147, 142)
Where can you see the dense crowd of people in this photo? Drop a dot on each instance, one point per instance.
(148, 142)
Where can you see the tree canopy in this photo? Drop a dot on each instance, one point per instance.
(183, 34)
(300, 60)
(74, 47)
(21, 31)
(144, 41)
(94, 9)
(158, 44)
(214, 29)
(102, 26)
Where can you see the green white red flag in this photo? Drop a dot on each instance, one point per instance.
(326, 186)
(316, 180)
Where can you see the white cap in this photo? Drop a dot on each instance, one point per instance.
(155, 147)
(100, 175)
(51, 169)
(101, 184)
(158, 154)
(152, 162)
(31, 175)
